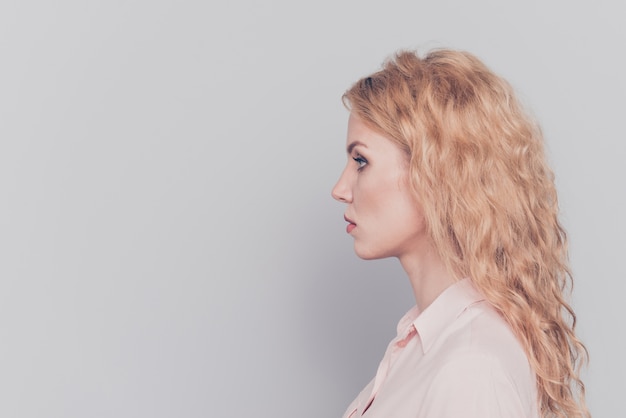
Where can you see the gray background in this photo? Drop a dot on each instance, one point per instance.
(168, 243)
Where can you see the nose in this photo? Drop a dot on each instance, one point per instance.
(341, 192)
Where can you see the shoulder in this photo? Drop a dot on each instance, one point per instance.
(475, 384)
(481, 369)
(481, 333)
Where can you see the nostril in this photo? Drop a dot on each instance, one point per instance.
(334, 193)
(338, 195)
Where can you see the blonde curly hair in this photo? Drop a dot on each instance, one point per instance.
(477, 164)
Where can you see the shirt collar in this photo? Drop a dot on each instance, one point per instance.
(440, 313)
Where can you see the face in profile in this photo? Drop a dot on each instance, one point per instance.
(383, 214)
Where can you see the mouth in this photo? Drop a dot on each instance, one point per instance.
(351, 224)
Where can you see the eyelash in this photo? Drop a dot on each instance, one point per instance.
(362, 162)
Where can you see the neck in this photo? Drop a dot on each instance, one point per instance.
(428, 276)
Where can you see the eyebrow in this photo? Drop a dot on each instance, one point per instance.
(354, 144)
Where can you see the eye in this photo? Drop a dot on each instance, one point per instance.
(361, 162)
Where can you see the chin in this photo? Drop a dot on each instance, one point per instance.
(369, 253)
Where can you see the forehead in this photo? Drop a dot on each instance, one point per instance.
(359, 131)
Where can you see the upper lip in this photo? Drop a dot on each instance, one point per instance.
(348, 219)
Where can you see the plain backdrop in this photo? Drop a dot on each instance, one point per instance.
(168, 243)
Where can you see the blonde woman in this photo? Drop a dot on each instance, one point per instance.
(447, 173)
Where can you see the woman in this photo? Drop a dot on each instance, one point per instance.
(448, 174)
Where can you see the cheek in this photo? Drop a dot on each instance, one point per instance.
(375, 198)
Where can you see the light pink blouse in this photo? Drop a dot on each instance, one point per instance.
(457, 358)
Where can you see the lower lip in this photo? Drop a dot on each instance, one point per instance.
(350, 227)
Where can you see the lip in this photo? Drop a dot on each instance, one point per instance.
(351, 224)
